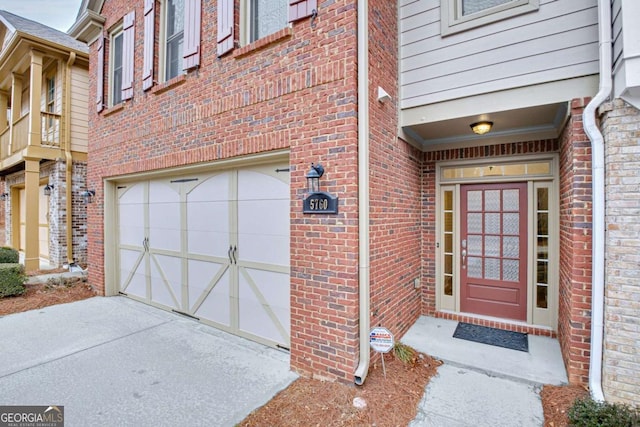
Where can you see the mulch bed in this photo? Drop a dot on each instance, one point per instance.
(41, 295)
(390, 401)
(556, 401)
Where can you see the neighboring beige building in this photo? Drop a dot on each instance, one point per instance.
(43, 141)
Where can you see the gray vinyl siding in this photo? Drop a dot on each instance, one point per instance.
(558, 41)
(618, 43)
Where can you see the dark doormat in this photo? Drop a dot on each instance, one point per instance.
(498, 337)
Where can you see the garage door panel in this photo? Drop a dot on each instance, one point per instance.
(164, 226)
(164, 216)
(215, 246)
(166, 278)
(131, 215)
(208, 228)
(264, 304)
(263, 231)
(254, 185)
(210, 291)
(211, 189)
(133, 277)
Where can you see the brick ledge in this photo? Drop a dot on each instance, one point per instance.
(263, 42)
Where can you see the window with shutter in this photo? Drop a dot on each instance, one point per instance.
(299, 9)
(100, 75)
(265, 17)
(128, 41)
(225, 26)
(174, 20)
(115, 67)
(149, 43)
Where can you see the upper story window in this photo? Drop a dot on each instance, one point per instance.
(266, 17)
(460, 15)
(115, 74)
(51, 95)
(174, 38)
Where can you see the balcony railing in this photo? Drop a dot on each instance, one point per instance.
(49, 134)
(50, 129)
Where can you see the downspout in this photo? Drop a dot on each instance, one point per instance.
(598, 203)
(68, 157)
(363, 189)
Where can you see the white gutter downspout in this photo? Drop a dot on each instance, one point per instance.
(69, 158)
(598, 203)
(363, 189)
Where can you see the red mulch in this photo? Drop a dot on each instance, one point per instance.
(391, 401)
(556, 401)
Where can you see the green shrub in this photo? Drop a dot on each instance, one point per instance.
(589, 413)
(12, 280)
(9, 256)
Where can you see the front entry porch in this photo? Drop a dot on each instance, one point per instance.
(542, 364)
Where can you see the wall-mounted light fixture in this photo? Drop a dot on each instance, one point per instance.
(47, 189)
(4, 196)
(313, 178)
(480, 128)
(88, 196)
(316, 201)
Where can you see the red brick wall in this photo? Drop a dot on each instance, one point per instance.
(574, 317)
(295, 90)
(395, 186)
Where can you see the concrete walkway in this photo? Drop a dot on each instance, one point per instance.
(483, 385)
(115, 362)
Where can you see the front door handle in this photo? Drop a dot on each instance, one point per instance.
(464, 258)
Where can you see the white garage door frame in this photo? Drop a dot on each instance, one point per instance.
(151, 260)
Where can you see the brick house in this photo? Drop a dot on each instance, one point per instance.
(460, 156)
(43, 141)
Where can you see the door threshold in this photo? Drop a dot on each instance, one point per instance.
(497, 322)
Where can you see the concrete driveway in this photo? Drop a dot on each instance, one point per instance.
(113, 361)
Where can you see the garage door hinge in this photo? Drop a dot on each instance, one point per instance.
(281, 347)
(186, 314)
(283, 170)
(184, 180)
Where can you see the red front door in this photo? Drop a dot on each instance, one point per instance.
(494, 250)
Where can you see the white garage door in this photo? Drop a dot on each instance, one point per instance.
(213, 246)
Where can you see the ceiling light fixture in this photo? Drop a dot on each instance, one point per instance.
(480, 128)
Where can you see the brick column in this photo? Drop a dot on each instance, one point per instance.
(574, 316)
(621, 357)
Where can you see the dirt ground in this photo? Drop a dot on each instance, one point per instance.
(391, 400)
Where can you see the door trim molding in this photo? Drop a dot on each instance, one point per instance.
(536, 318)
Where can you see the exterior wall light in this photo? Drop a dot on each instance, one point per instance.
(4, 196)
(313, 178)
(47, 189)
(88, 196)
(316, 201)
(480, 128)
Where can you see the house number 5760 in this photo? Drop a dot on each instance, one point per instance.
(318, 204)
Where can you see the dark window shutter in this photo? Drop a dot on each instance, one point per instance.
(128, 54)
(191, 49)
(100, 75)
(149, 43)
(225, 26)
(299, 9)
